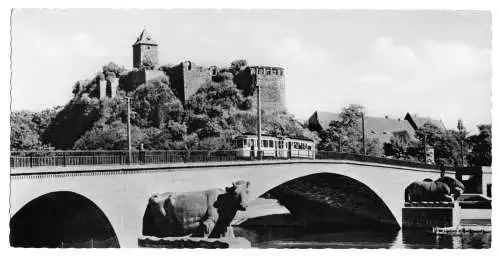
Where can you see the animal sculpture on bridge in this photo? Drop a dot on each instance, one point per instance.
(205, 213)
(443, 189)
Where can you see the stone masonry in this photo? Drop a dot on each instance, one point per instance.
(186, 78)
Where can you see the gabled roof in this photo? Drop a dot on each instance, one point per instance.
(375, 127)
(417, 122)
(323, 118)
(145, 38)
(384, 128)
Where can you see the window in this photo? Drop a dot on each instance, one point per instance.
(271, 143)
(239, 143)
(265, 143)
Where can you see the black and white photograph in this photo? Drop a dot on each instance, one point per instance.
(250, 128)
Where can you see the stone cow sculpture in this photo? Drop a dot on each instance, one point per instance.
(456, 187)
(205, 213)
(443, 189)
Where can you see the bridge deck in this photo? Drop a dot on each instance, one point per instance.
(82, 169)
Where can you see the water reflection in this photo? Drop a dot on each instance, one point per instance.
(298, 237)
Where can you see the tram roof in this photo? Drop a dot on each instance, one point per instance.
(267, 135)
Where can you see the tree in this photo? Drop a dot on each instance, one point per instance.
(154, 104)
(24, 134)
(108, 137)
(445, 144)
(346, 135)
(396, 148)
(461, 136)
(237, 65)
(480, 154)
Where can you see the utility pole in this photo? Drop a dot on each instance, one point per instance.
(129, 134)
(363, 131)
(259, 128)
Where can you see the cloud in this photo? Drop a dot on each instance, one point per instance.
(293, 53)
(429, 75)
(384, 50)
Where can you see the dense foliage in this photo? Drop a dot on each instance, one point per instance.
(208, 120)
(480, 154)
(345, 135)
(27, 128)
(451, 147)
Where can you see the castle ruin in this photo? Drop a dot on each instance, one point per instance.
(187, 77)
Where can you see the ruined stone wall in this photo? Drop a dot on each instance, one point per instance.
(176, 80)
(137, 77)
(194, 77)
(272, 88)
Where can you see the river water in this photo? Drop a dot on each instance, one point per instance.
(290, 236)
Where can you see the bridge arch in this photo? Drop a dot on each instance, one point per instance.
(322, 198)
(61, 219)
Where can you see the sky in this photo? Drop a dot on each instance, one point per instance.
(431, 63)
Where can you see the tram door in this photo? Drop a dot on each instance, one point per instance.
(252, 148)
(289, 153)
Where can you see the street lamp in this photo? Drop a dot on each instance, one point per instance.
(259, 128)
(129, 134)
(363, 131)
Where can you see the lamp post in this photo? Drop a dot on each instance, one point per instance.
(363, 131)
(259, 128)
(129, 134)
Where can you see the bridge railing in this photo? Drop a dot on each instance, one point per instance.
(20, 159)
(372, 159)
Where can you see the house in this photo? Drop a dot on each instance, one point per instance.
(381, 128)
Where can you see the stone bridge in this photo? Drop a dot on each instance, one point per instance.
(99, 203)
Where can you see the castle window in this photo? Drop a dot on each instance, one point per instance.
(261, 71)
(275, 71)
(268, 72)
(281, 72)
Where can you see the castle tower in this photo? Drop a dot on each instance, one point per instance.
(145, 51)
(272, 87)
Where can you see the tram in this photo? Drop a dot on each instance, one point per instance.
(274, 147)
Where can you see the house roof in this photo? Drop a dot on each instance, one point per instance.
(417, 121)
(325, 118)
(375, 127)
(145, 38)
(383, 128)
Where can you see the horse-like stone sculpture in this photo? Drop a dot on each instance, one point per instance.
(205, 213)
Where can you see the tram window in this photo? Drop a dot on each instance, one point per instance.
(239, 143)
(271, 143)
(265, 143)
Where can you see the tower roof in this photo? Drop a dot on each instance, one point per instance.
(145, 38)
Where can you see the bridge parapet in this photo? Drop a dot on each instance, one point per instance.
(35, 159)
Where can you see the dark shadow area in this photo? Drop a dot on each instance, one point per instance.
(64, 220)
(305, 237)
(326, 201)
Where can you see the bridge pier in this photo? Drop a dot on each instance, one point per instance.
(428, 215)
